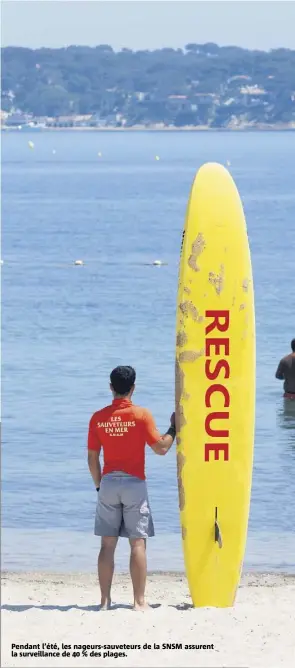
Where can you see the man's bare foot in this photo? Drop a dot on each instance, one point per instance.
(105, 605)
(141, 607)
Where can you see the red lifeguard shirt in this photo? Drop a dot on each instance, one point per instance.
(122, 430)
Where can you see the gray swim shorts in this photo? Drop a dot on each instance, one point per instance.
(123, 507)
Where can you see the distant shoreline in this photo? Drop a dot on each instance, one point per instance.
(143, 128)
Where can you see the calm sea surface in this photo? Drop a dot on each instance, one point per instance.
(65, 327)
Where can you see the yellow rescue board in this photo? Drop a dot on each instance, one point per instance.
(215, 387)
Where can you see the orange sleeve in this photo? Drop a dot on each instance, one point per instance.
(93, 438)
(152, 435)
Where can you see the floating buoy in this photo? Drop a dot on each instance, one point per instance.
(157, 157)
(30, 144)
(79, 263)
(157, 263)
(19, 127)
(54, 151)
(99, 155)
(228, 163)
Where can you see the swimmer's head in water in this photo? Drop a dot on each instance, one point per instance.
(293, 345)
(122, 380)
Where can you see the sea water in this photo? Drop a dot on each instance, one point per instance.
(103, 198)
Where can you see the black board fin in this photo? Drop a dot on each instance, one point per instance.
(217, 532)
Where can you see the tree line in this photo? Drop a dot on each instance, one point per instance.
(200, 84)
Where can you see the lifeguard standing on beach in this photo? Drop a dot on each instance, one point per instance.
(122, 430)
(286, 372)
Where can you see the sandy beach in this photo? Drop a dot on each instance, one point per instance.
(54, 612)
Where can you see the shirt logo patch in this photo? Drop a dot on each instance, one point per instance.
(116, 427)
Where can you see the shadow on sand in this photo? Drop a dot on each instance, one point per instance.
(66, 608)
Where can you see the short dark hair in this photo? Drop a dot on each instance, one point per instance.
(122, 379)
(293, 345)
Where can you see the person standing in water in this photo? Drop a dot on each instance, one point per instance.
(286, 372)
(121, 431)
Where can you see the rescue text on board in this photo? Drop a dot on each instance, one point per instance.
(219, 322)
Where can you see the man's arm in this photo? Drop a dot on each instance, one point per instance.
(94, 467)
(163, 444)
(280, 371)
(94, 447)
